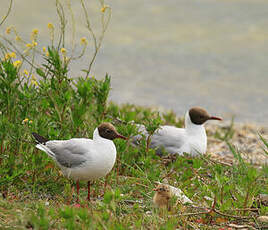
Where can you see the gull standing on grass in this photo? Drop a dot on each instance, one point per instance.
(81, 158)
(192, 139)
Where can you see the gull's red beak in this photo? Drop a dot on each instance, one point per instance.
(215, 118)
(121, 136)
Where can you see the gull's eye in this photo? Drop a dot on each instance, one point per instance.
(108, 131)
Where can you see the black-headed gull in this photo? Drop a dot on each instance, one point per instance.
(81, 158)
(192, 139)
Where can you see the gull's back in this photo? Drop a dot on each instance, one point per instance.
(170, 138)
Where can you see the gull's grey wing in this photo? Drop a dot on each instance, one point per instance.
(70, 153)
(168, 138)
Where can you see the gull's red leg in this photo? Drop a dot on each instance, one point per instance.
(105, 183)
(88, 190)
(77, 191)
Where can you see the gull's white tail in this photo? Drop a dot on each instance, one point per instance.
(42, 144)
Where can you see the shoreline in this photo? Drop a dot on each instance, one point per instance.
(243, 137)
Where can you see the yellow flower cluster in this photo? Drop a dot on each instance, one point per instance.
(83, 41)
(29, 45)
(18, 38)
(63, 51)
(35, 32)
(104, 8)
(8, 29)
(25, 73)
(26, 120)
(50, 26)
(10, 55)
(17, 63)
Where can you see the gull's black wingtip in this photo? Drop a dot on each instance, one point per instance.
(39, 138)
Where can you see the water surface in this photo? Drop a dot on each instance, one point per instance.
(174, 54)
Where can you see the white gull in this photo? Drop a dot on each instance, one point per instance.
(81, 158)
(192, 139)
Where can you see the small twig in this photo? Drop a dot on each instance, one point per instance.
(148, 142)
(194, 213)
(244, 209)
(8, 12)
(219, 162)
(60, 12)
(245, 226)
(213, 209)
(97, 43)
(73, 26)
(142, 185)
(233, 216)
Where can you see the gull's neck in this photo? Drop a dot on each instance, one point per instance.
(191, 127)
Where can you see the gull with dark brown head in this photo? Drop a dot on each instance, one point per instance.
(192, 139)
(82, 158)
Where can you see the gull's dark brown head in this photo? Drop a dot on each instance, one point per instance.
(108, 131)
(199, 116)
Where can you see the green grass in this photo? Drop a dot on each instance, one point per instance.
(33, 192)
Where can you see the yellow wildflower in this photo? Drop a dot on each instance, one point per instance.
(18, 38)
(25, 120)
(29, 45)
(25, 72)
(50, 26)
(44, 49)
(47, 53)
(34, 82)
(12, 55)
(17, 63)
(7, 56)
(34, 43)
(83, 41)
(8, 30)
(63, 51)
(104, 8)
(35, 32)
